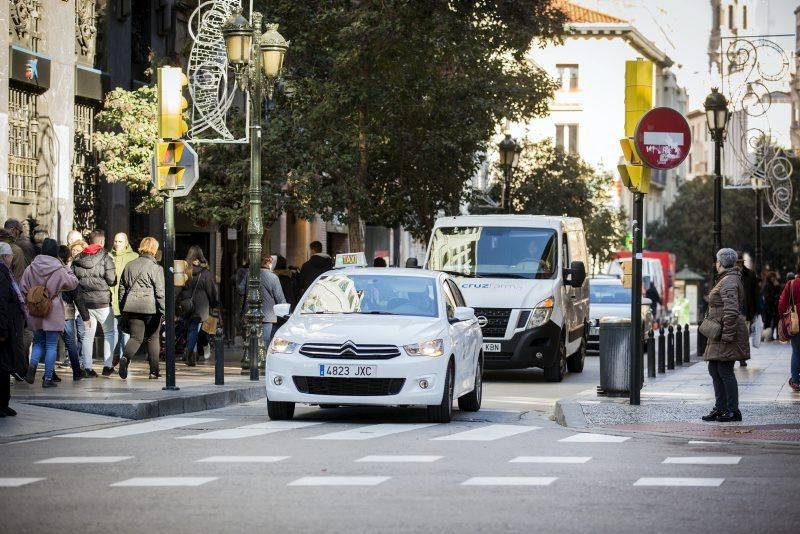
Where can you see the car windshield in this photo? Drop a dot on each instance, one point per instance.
(372, 295)
(494, 252)
(609, 294)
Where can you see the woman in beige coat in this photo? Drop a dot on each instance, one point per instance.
(725, 304)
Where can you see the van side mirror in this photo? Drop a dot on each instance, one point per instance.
(463, 313)
(282, 310)
(577, 272)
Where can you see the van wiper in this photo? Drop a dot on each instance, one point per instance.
(463, 275)
(503, 275)
(376, 313)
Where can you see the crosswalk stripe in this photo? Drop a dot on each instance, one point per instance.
(339, 481)
(488, 433)
(11, 482)
(399, 459)
(703, 460)
(142, 428)
(243, 459)
(249, 431)
(509, 481)
(85, 460)
(153, 482)
(372, 431)
(699, 442)
(586, 437)
(679, 482)
(551, 459)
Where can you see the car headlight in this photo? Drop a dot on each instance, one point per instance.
(282, 346)
(541, 313)
(434, 347)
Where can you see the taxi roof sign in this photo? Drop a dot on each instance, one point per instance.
(351, 259)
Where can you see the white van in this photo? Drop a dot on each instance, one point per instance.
(525, 276)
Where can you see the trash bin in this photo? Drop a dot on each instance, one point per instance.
(615, 356)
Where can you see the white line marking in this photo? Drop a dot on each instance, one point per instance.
(27, 441)
(372, 431)
(488, 433)
(399, 459)
(680, 481)
(17, 482)
(85, 460)
(509, 481)
(551, 459)
(142, 428)
(153, 482)
(243, 459)
(249, 431)
(594, 438)
(703, 460)
(339, 481)
(698, 442)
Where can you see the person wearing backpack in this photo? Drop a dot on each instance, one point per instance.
(42, 283)
(196, 300)
(790, 296)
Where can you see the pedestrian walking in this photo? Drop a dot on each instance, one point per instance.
(195, 302)
(317, 264)
(728, 338)
(750, 284)
(790, 297)
(42, 283)
(288, 280)
(15, 228)
(271, 294)
(96, 275)
(13, 359)
(770, 294)
(71, 301)
(18, 261)
(121, 254)
(655, 300)
(141, 301)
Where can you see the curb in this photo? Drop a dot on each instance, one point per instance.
(187, 400)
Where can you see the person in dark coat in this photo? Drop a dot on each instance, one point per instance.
(202, 291)
(18, 262)
(96, 275)
(317, 264)
(72, 302)
(141, 301)
(13, 359)
(725, 302)
(288, 280)
(15, 228)
(655, 299)
(751, 301)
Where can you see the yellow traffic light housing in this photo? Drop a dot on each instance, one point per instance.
(638, 101)
(169, 172)
(171, 103)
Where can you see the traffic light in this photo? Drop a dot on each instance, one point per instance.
(638, 101)
(171, 103)
(169, 172)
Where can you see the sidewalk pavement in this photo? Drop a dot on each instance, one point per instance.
(137, 397)
(674, 402)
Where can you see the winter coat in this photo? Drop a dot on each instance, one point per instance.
(725, 303)
(27, 249)
(13, 358)
(288, 285)
(142, 286)
(121, 259)
(315, 266)
(750, 284)
(205, 297)
(18, 261)
(62, 279)
(791, 291)
(96, 274)
(271, 294)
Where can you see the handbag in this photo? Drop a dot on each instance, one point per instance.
(789, 323)
(210, 325)
(124, 325)
(711, 328)
(185, 306)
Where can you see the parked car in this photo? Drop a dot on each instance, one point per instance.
(609, 298)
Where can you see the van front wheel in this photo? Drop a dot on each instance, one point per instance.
(576, 361)
(556, 372)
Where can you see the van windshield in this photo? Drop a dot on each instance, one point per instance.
(494, 252)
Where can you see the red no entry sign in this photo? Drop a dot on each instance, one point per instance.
(663, 138)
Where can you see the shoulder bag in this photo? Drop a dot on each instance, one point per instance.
(185, 306)
(789, 323)
(124, 325)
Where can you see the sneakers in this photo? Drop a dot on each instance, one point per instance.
(712, 415)
(123, 367)
(154, 375)
(794, 385)
(729, 417)
(108, 371)
(49, 384)
(77, 375)
(56, 378)
(30, 376)
(89, 373)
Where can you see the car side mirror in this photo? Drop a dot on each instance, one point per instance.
(577, 271)
(282, 310)
(463, 313)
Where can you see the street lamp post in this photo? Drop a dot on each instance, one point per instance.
(510, 151)
(257, 61)
(717, 115)
(758, 184)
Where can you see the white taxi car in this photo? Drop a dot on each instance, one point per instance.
(377, 336)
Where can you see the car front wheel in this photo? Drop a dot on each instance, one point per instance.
(443, 412)
(280, 411)
(471, 402)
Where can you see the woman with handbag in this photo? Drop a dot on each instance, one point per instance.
(728, 338)
(141, 301)
(196, 300)
(787, 311)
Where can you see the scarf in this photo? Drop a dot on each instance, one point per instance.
(20, 299)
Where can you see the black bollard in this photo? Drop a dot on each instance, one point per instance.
(670, 348)
(687, 356)
(219, 358)
(679, 346)
(662, 342)
(651, 354)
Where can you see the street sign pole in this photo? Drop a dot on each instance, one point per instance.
(636, 301)
(169, 287)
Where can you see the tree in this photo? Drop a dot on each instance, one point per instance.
(550, 181)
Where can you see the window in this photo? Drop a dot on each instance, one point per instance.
(459, 298)
(730, 17)
(23, 134)
(567, 77)
(567, 137)
(84, 170)
(744, 17)
(449, 302)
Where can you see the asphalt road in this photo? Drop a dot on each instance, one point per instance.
(336, 471)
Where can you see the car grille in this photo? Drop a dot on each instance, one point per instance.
(349, 351)
(498, 320)
(355, 387)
